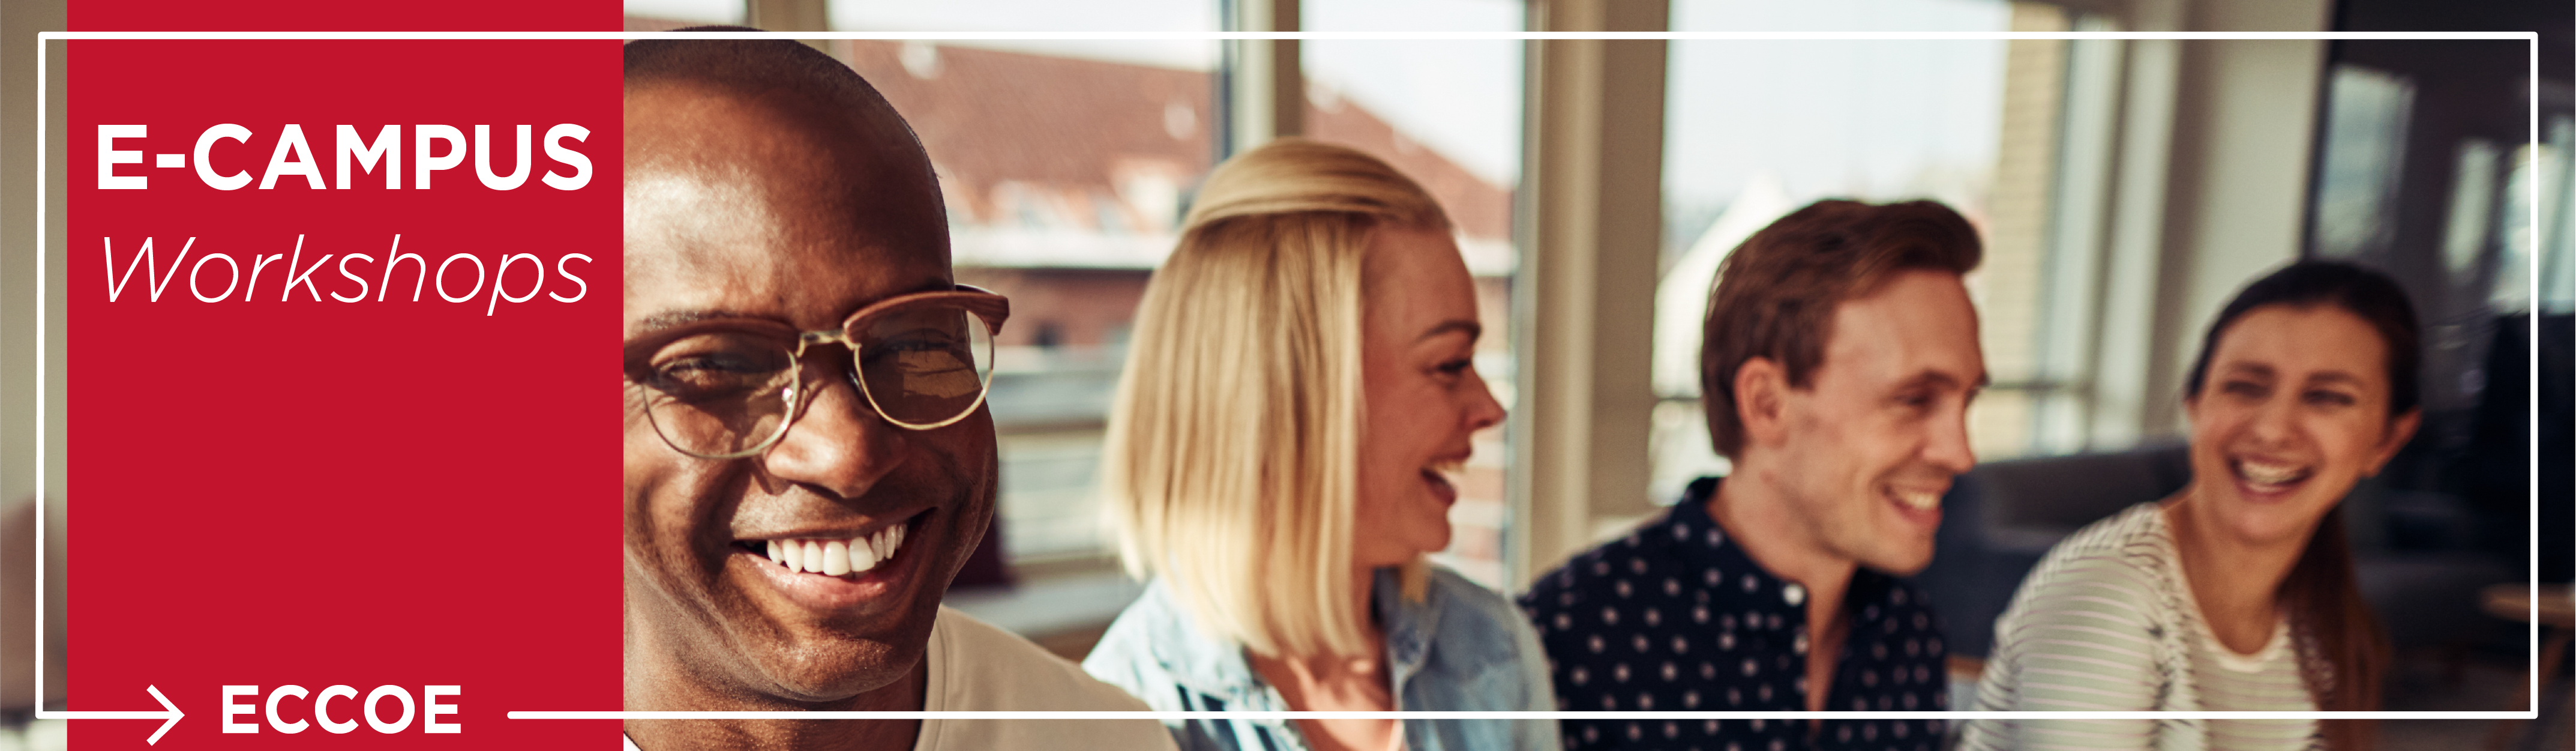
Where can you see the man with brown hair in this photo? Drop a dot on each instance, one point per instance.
(1839, 356)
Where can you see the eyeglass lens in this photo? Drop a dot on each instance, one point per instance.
(725, 394)
(927, 365)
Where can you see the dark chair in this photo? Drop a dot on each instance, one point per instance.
(2001, 517)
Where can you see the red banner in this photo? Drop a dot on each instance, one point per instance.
(341, 315)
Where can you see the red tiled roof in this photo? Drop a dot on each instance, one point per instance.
(1479, 208)
(1013, 133)
(1064, 125)
(640, 23)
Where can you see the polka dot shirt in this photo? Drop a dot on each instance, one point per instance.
(1674, 617)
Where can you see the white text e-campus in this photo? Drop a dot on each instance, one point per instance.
(433, 148)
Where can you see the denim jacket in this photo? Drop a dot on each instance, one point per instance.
(1463, 648)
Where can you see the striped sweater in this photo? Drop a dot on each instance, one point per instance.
(2107, 622)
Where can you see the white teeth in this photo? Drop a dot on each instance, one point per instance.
(1919, 501)
(880, 546)
(836, 558)
(863, 558)
(2265, 473)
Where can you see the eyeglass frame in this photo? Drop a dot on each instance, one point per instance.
(988, 308)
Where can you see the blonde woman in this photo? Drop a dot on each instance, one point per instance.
(1301, 390)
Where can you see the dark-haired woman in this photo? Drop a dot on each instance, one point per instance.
(2237, 593)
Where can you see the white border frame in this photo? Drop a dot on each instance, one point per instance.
(2532, 81)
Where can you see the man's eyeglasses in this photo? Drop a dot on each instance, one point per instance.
(729, 389)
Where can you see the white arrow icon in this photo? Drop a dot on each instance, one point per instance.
(170, 713)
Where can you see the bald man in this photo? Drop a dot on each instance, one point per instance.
(807, 455)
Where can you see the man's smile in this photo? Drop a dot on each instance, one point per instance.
(836, 557)
(1918, 503)
(835, 570)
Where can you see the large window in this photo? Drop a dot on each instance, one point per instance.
(2426, 168)
(664, 15)
(1756, 129)
(1066, 166)
(2432, 180)
(1448, 114)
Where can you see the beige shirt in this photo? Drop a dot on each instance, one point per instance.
(977, 667)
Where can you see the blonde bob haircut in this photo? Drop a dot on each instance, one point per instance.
(1233, 445)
